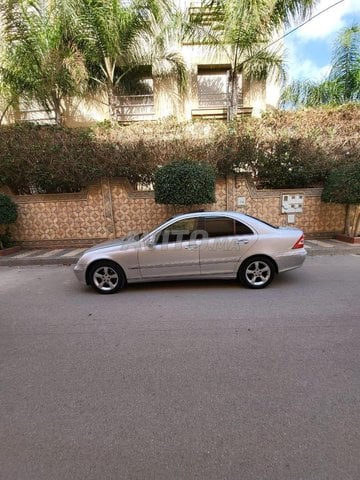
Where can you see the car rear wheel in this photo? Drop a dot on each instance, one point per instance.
(106, 277)
(257, 272)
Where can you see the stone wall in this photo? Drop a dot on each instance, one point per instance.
(114, 208)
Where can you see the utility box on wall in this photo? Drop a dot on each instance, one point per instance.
(292, 203)
(241, 201)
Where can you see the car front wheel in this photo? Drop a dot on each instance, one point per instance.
(257, 272)
(106, 277)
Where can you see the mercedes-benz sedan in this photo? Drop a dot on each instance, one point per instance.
(194, 246)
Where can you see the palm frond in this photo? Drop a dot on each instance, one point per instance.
(342, 84)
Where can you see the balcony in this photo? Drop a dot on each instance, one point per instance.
(205, 15)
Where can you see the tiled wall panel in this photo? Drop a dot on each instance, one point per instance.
(113, 208)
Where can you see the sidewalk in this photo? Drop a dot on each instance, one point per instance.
(68, 256)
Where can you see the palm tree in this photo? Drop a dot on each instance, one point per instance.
(160, 42)
(40, 63)
(118, 39)
(343, 82)
(243, 30)
(345, 69)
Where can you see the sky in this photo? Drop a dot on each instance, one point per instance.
(308, 50)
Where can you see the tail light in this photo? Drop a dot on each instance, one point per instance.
(300, 243)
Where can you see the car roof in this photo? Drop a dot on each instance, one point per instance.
(254, 222)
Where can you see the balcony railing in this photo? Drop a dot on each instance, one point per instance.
(215, 106)
(217, 100)
(130, 108)
(40, 116)
(203, 14)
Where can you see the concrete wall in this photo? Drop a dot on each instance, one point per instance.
(113, 208)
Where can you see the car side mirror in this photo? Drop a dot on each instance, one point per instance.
(150, 242)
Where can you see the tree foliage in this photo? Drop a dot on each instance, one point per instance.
(58, 50)
(244, 32)
(185, 182)
(343, 82)
(41, 64)
(343, 186)
(107, 34)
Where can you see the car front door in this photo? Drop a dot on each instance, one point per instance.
(226, 241)
(172, 253)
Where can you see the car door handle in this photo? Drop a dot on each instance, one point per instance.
(191, 247)
(242, 242)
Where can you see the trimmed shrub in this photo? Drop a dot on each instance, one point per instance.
(8, 210)
(8, 215)
(6, 240)
(185, 182)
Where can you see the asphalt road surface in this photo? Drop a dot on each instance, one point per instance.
(198, 380)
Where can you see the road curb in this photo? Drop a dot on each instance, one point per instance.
(13, 262)
(332, 253)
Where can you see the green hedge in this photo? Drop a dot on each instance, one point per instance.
(39, 159)
(292, 163)
(281, 150)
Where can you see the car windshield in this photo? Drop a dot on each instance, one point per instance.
(133, 236)
(142, 235)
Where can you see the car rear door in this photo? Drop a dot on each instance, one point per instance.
(226, 242)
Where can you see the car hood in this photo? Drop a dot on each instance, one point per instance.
(119, 243)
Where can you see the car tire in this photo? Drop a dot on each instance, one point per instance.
(106, 277)
(257, 272)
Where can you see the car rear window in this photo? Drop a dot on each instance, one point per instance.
(261, 221)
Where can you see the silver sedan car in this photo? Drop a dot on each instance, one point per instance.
(195, 246)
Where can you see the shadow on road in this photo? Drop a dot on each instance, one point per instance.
(288, 279)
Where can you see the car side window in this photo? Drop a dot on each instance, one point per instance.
(225, 227)
(242, 229)
(177, 232)
(219, 227)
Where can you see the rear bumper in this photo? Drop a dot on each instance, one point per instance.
(291, 260)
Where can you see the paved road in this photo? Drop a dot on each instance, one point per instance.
(199, 380)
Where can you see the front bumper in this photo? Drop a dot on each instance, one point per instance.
(80, 273)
